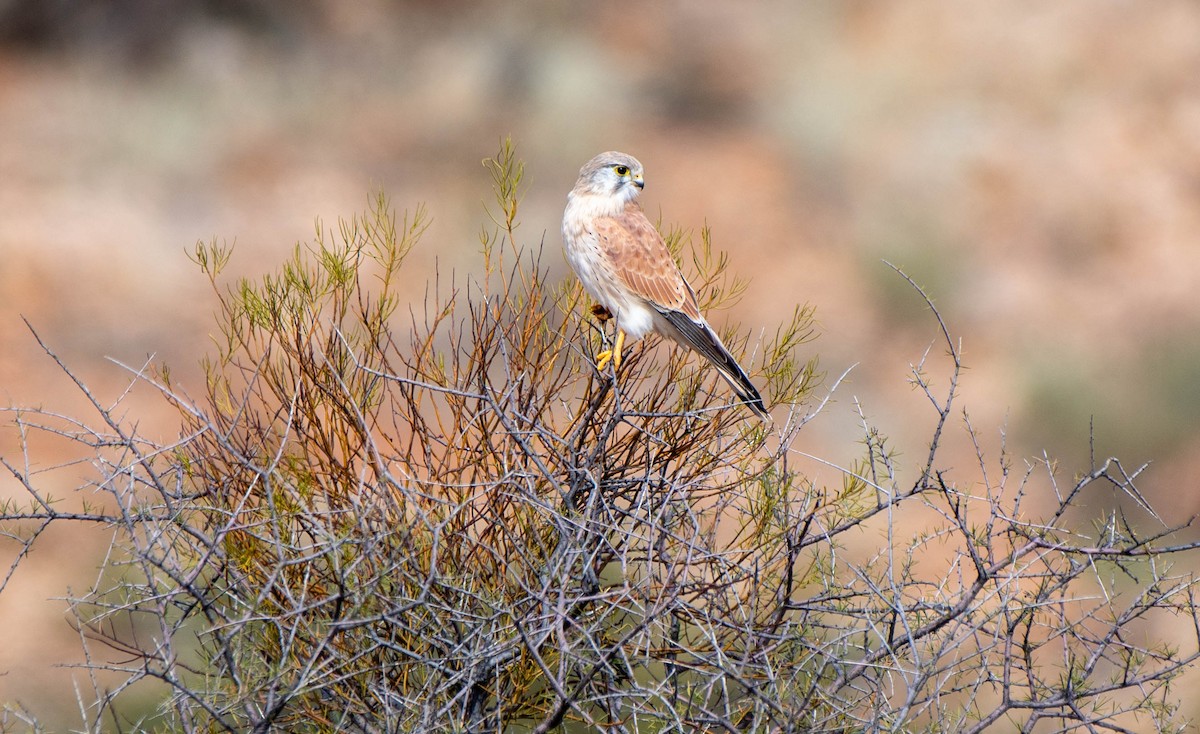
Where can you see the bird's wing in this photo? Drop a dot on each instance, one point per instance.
(641, 262)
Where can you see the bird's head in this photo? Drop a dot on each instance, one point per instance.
(611, 174)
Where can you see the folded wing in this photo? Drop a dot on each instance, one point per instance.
(641, 261)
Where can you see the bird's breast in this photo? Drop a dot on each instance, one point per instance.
(586, 256)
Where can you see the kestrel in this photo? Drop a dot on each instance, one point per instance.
(625, 265)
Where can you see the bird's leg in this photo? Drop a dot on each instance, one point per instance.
(614, 354)
(601, 313)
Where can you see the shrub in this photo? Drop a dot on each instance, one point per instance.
(461, 525)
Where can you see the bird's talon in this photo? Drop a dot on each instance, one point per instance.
(612, 355)
(617, 348)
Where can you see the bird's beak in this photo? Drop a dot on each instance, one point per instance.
(639, 182)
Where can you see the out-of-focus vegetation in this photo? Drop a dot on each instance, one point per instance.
(1034, 167)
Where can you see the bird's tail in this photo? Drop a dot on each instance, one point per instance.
(698, 335)
(740, 382)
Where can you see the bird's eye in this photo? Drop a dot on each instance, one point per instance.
(621, 170)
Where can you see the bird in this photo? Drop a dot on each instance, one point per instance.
(625, 265)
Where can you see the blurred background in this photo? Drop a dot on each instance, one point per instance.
(1034, 166)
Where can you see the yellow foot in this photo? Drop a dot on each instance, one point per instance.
(613, 355)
